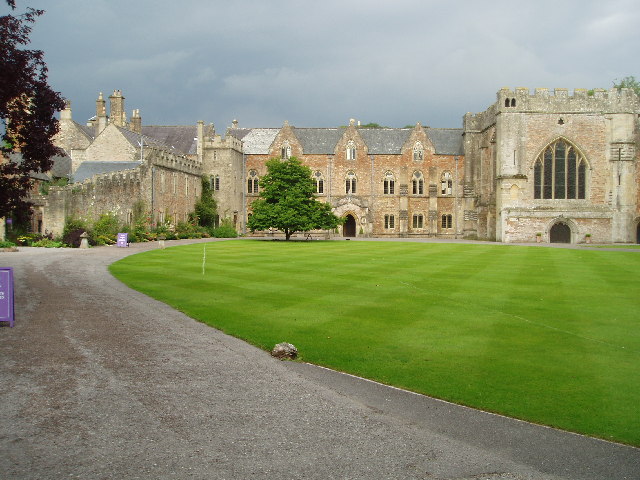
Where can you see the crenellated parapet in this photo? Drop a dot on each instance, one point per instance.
(560, 100)
(162, 158)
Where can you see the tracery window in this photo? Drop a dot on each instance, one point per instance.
(418, 152)
(319, 179)
(560, 172)
(389, 184)
(389, 222)
(252, 182)
(446, 183)
(418, 220)
(351, 150)
(350, 183)
(417, 183)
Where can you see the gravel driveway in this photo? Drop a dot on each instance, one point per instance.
(100, 382)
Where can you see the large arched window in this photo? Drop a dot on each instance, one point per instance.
(350, 184)
(417, 183)
(560, 172)
(389, 184)
(252, 182)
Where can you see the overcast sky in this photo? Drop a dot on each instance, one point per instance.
(321, 62)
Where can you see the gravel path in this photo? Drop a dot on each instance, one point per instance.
(100, 382)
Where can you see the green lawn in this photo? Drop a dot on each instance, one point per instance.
(543, 334)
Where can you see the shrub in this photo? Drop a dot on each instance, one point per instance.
(225, 230)
(47, 243)
(6, 244)
(105, 229)
(73, 228)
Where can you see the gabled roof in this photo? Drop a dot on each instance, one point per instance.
(385, 141)
(318, 140)
(61, 167)
(256, 141)
(89, 169)
(178, 138)
(134, 139)
(446, 141)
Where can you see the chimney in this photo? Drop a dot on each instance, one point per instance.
(136, 122)
(65, 113)
(101, 114)
(118, 115)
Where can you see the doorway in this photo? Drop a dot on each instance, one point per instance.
(349, 227)
(560, 233)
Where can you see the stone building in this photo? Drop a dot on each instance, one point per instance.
(542, 166)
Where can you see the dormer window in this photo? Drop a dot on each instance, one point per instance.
(351, 150)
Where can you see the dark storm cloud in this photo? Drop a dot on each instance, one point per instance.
(321, 63)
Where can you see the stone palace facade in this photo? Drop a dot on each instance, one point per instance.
(551, 166)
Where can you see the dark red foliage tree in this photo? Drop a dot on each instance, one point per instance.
(27, 108)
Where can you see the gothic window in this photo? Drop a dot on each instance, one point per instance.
(447, 220)
(446, 183)
(215, 182)
(418, 220)
(351, 150)
(350, 183)
(389, 222)
(318, 178)
(560, 172)
(252, 182)
(285, 151)
(417, 184)
(418, 152)
(389, 184)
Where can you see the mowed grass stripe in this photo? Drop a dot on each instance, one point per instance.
(546, 335)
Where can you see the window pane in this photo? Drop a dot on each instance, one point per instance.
(420, 187)
(548, 173)
(391, 187)
(347, 185)
(353, 185)
(571, 174)
(560, 171)
(320, 186)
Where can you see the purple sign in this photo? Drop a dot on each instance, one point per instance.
(123, 240)
(6, 295)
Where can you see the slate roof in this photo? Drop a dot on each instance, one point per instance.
(179, 138)
(134, 139)
(447, 141)
(256, 141)
(318, 140)
(89, 169)
(61, 167)
(379, 141)
(385, 141)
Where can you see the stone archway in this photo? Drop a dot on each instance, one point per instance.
(349, 227)
(560, 233)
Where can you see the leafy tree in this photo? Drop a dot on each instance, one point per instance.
(287, 201)
(206, 208)
(628, 82)
(27, 108)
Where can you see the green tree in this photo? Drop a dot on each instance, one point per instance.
(287, 201)
(628, 82)
(206, 208)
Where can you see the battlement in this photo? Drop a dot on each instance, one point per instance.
(163, 158)
(218, 141)
(561, 101)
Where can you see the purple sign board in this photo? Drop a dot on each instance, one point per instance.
(6, 295)
(123, 240)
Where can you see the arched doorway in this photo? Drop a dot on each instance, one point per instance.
(349, 227)
(560, 233)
